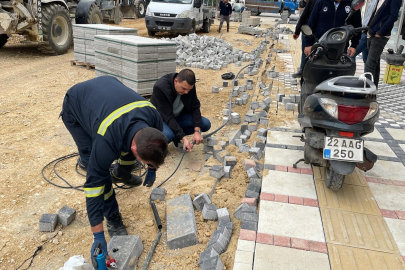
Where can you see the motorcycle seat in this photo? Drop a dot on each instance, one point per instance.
(351, 83)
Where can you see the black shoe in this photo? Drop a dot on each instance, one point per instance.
(115, 226)
(219, 31)
(80, 164)
(132, 181)
(227, 30)
(296, 75)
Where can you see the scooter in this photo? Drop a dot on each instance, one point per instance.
(337, 108)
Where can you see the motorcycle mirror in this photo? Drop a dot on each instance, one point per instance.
(306, 30)
(356, 5)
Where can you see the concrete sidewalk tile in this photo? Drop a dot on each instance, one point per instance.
(299, 243)
(281, 198)
(357, 230)
(242, 266)
(284, 157)
(397, 134)
(247, 235)
(375, 135)
(386, 169)
(293, 170)
(274, 257)
(350, 197)
(267, 196)
(246, 245)
(284, 138)
(290, 220)
(397, 228)
(388, 213)
(379, 181)
(400, 214)
(388, 196)
(292, 184)
(348, 258)
(317, 247)
(281, 168)
(244, 256)
(296, 200)
(265, 238)
(311, 202)
(379, 148)
(282, 241)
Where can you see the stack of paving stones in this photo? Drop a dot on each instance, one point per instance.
(65, 216)
(249, 30)
(248, 21)
(219, 241)
(206, 52)
(83, 39)
(137, 62)
(236, 17)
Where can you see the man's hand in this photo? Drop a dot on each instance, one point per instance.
(150, 177)
(187, 145)
(307, 50)
(99, 238)
(377, 35)
(295, 36)
(197, 137)
(351, 51)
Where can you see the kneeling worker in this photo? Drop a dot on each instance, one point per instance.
(175, 97)
(109, 121)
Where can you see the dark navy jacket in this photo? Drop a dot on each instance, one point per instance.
(225, 9)
(112, 114)
(385, 17)
(163, 97)
(324, 17)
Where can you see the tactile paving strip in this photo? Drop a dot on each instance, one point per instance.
(346, 258)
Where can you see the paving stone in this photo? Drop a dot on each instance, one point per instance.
(256, 152)
(200, 200)
(244, 257)
(128, 250)
(290, 106)
(230, 161)
(212, 263)
(243, 128)
(227, 171)
(254, 187)
(206, 254)
(244, 148)
(252, 126)
(248, 163)
(254, 105)
(243, 138)
(249, 225)
(225, 112)
(216, 149)
(279, 97)
(209, 211)
(244, 207)
(286, 100)
(248, 133)
(223, 214)
(225, 83)
(221, 155)
(260, 145)
(66, 215)
(207, 148)
(211, 141)
(251, 194)
(217, 171)
(264, 121)
(181, 226)
(48, 222)
(158, 194)
(250, 216)
(252, 173)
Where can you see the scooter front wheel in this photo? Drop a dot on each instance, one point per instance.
(333, 180)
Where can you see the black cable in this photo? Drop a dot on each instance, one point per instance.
(39, 248)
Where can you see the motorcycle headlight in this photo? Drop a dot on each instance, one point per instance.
(330, 106)
(371, 111)
(148, 13)
(184, 14)
(337, 36)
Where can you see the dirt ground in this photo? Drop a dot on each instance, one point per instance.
(31, 135)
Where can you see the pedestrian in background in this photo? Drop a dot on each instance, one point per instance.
(225, 11)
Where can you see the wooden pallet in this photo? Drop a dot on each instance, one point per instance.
(79, 63)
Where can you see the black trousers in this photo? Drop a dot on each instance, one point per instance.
(375, 46)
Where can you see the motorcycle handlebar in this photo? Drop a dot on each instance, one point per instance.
(360, 29)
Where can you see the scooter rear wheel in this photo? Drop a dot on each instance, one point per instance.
(333, 180)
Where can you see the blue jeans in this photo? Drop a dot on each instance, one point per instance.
(186, 123)
(303, 56)
(362, 48)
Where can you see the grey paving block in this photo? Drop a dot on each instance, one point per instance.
(220, 156)
(158, 194)
(235, 83)
(66, 215)
(251, 194)
(262, 132)
(223, 214)
(200, 200)
(250, 216)
(206, 254)
(244, 148)
(207, 148)
(227, 171)
(243, 128)
(243, 138)
(252, 126)
(252, 173)
(181, 226)
(209, 211)
(48, 222)
(211, 141)
(290, 106)
(128, 249)
(212, 263)
(264, 121)
(244, 207)
(249, 225)
(254, 105)
(260, 145)
(230, 161)
(215, 89)
(225, 112)
(254, 187)
(279, 97)
(286, 100)
(256, 152)
(247, 133)
(250, 117)
(217, 171)
(259, 166)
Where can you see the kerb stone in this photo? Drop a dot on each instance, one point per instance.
(158, 194)
(128, 250)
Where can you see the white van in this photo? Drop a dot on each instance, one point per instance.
(178, 16)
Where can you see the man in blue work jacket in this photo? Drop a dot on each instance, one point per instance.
(108, 121)
(225, 11)
(328, 14)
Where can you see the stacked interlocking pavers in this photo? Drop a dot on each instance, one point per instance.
(83, 39)
(207, 52)
(137, 62)
(247, 20)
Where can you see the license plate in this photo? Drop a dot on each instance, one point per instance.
(164, 28)
(343, 149)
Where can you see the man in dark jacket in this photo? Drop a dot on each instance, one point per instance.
(309, 6)
(175, 97)
(328, 14)
(109, 121)
(380, 25)
(225, 11)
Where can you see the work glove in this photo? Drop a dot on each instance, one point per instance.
(99, 238)
(150, 177)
